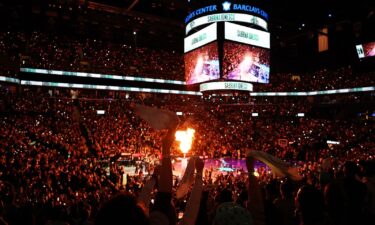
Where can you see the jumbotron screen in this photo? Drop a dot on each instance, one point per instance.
(245, 62)
(366, 50)
(202, 64)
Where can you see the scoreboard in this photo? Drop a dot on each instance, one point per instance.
(226, 41)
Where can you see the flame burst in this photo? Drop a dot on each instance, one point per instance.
(186, 139)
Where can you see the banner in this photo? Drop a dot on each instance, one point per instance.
(220, 17)
(247, 35)
(200, 38)
(240, 86)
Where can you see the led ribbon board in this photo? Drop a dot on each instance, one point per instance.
(106, 87)
(203, 87)
(246, 35)
(99, 76)
(220, 17)
(239, 86)
(201, 38)
(9, 79)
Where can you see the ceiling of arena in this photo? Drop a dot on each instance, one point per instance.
(286, 15)
(293, 24)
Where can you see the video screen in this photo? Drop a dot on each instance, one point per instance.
(246, 63)
(202, 64)
(366, 50)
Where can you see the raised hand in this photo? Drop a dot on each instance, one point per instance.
(199, 165)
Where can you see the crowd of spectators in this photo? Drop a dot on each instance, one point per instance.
(64, 163)
(59, 158)
(49, 51)
(323, 79)
(59, 52)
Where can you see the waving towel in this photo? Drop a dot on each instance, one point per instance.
(278, 166)
(187, 179)
(157, 118)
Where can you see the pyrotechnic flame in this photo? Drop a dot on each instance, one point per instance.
(186, 139)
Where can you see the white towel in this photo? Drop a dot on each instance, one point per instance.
(278, 166)
(157, 118)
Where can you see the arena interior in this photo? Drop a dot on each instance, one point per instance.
(189, 112)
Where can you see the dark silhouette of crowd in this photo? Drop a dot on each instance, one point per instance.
(61, 162)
